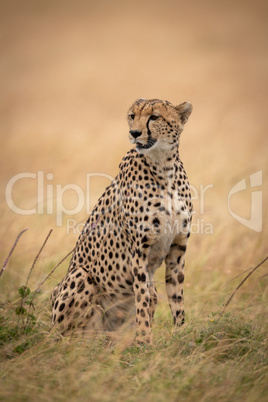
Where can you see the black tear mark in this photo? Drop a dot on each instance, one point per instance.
(148, 130)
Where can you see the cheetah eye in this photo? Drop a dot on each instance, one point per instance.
(132, 116)
(154, 117)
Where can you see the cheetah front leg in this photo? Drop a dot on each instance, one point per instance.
(175, 280)
(141, 287)
(153, 301)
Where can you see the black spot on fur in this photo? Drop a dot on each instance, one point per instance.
(156, 222)
(80, 286)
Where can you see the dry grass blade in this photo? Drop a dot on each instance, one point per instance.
(64, 258)
(237, 276)
(37, 256)
(11, 251)
(241, 283)
(53, 270)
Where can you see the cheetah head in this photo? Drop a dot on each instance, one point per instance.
(155, 125)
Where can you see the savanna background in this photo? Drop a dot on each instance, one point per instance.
(69, 72)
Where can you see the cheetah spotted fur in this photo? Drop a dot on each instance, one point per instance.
(142, 219)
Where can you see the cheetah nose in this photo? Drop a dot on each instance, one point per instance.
(135, 133)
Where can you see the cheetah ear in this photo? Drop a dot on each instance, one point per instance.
(184, 110)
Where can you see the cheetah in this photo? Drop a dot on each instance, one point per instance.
(142, 219)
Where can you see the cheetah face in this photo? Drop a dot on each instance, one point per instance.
(156, 124)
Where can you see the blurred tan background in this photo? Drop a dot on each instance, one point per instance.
(69, 72)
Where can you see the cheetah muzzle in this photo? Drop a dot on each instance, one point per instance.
(142, 219)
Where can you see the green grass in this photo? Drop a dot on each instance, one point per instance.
(209, 358)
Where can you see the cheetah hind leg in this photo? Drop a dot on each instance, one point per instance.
(75, 306)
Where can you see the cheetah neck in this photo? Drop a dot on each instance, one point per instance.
(163, 165)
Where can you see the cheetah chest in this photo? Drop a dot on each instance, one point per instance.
(161, 247)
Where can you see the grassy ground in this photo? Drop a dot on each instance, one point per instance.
(68, 76)
(210, 358)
